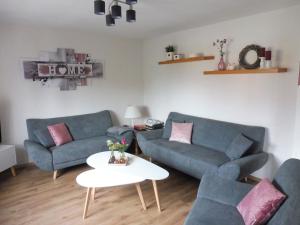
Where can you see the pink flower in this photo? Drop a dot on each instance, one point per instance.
(123, 142)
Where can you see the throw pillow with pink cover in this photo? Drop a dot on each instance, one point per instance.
(261, 203)
(60, 134)
(181, 132)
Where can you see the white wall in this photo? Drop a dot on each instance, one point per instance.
(21, 99)
(266, 100)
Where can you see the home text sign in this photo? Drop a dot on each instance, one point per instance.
(62, 70)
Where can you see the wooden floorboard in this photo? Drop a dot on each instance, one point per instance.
(33, 198)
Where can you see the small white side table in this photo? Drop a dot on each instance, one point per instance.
(8, 158)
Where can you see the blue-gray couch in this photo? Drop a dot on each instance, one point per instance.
(89, 133)
(210, 140)
(218, 197)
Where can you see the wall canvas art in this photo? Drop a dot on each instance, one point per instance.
(65, 64)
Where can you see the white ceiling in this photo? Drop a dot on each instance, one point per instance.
(154, 17)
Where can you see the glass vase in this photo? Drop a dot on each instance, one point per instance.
(222, 65)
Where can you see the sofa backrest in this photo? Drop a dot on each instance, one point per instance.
(81, 126)
(215, 134)
(287, 180)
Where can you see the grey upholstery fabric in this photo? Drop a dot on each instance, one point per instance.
(192, 159)
(238, 147)
(118, 130)
(88, 131)
(41, 156)
(44, 137)
(217, 134)
(251, 163)
(218, 197)
(287, 180)
(210, 139)
(208, 212)
(79, 149)
(81, 126)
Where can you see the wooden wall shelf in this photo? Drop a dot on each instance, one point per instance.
(244, 71)
(184, 60)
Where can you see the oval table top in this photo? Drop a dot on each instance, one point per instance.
(101, 178)
(137, 166)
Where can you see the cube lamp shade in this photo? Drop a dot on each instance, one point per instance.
(130, 16)
(116, 11)
(130, 2)
(132, 112)
(110, 21)
(99, 7)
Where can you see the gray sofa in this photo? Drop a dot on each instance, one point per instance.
(218, 197)
(210, 140)
(89, 133)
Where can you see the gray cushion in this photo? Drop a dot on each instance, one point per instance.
(44, 137)
(238, 147)
(208, 212)
(79, 149)
(194, 160)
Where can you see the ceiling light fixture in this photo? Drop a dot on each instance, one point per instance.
(99, 7)
(110, 21)
(115, 10)
(130, 15)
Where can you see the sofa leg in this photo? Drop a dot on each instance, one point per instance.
(55, 174)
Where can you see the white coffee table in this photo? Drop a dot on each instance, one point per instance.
(105, 175)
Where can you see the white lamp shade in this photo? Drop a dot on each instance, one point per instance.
(132, 112)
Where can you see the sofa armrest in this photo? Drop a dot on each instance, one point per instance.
(149, 135)
(247, 164)
(40, 155)
(224, 191)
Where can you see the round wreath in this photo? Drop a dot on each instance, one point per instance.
(244, 52)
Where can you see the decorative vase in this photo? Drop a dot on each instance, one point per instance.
(112, 158)
(221, 65)
(262, 62)
(170, 55)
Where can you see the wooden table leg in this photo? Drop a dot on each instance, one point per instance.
(156, 195)
(87, 201)
(139, 190)
(13, 171)
(93, 193)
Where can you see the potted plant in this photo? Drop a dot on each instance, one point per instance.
(120, 147)
(170, 50)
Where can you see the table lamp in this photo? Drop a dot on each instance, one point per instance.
(132, 112)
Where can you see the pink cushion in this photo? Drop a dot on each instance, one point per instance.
(60, 134)
(181, 132)
(260, 203)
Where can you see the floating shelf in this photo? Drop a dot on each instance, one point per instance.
(244, 71)
(184, 60)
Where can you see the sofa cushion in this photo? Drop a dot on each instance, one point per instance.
(238, 147)
(208, 212)
(44, 137)
(191, 159)
(79, 149)
(181, 132)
